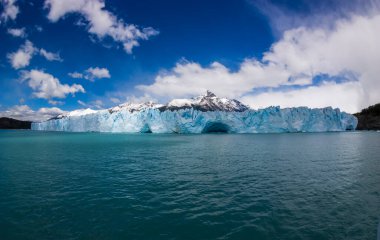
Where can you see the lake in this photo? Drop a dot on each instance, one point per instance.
(210, 186)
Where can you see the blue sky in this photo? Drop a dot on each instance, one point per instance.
(62, 55)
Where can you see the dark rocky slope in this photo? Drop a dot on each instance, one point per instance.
(369, 118)
(10, 123)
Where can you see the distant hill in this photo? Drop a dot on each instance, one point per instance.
(369, 118)
(10, 123)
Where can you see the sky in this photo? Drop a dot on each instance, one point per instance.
(62, 55)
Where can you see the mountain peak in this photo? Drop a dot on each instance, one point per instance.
(207, 102)
(132, 107)
(209, 94)
(204, 103)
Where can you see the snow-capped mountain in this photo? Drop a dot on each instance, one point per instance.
(132, 107)
(202, 114)
(205, 103)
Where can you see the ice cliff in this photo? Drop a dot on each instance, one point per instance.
(203, 114)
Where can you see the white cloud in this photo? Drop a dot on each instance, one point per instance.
(55, 102)
(38, 28)
(76, 75)
(22, 57)
(344, 96)
(92, 73)
(115, 100)
(46, 86)
(17, 32)
(82, 103)
(349, 49)
(99, 104)
(141, 99)
(46, 113)
(101, 22)
(50, 56)
(10, 10)
(188, 79)
(24, 112)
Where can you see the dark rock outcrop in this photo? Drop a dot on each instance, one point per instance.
(10, 123)
(369, 118)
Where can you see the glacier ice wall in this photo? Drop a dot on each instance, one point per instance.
(268, 120)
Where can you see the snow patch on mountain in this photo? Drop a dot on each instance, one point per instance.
(132, 107)
(207, 102)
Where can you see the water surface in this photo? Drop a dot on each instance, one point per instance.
(214, 186)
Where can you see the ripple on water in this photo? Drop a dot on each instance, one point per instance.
(116, 186)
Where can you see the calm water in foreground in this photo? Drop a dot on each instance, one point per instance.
(119, 186)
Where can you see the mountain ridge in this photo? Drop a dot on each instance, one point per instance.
(203, 103)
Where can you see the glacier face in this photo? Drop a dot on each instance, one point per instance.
(202, 114)
(190, 120)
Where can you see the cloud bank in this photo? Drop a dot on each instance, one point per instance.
(348, 50)
(25, 113)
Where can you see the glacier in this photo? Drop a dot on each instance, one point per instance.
(203, 114)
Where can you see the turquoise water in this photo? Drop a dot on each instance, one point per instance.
(117, 186)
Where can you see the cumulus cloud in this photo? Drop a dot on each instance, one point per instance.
(10, 10)
(349, 50)
(24, 112)
(17, 32)
(50, 56)
(100, 22)
(92, 73)
(22, 57)
(46, 86)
